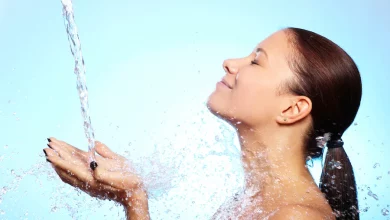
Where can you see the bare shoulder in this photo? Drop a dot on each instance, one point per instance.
(301, 212)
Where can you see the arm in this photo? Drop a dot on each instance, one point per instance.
(299, 212)
(137, 208)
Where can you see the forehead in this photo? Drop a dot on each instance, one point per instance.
(277, 48)
(275, 44)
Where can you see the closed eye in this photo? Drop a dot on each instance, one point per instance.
(253, 62)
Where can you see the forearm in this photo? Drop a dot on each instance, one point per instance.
(137, 208)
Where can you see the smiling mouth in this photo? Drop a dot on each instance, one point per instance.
(227, 85)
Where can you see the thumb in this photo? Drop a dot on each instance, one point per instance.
(104, 151)
(116, 179)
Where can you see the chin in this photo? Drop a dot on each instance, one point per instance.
(215, 106)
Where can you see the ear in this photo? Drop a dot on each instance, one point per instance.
(297, 109)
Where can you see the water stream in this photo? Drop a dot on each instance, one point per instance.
(79, 70)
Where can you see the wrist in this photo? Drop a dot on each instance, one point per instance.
(136, 205)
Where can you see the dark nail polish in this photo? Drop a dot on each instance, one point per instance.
(49, 146)
(48, 160)
(44, 152)
(93, 165)
(49, 140)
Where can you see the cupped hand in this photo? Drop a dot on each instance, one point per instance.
(112, 179)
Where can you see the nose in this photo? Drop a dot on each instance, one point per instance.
(230, 66)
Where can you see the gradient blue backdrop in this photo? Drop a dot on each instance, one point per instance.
(150, 67)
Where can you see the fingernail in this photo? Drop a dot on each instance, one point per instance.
(44, 152)
(49, 140)
(49, 146)
(93, 165)
(48, 160)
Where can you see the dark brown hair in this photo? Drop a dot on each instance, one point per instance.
(327, 75)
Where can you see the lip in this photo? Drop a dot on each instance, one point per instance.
(223, 81)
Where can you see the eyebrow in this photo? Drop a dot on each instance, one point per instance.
(259, 49)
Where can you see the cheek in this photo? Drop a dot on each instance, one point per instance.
(254, 97)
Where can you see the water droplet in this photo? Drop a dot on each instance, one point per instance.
(385, 212)
(355, 123)
(376, 165)
(309, 161)
(2, 212)
(379, 178)
(5, 146)
(366, 209)
(370, 193)
(54, 209)
(335, 164)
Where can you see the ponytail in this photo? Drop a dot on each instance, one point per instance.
(338, 184)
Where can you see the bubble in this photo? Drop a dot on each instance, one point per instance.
(355, 123)
(2, 212)
(5, 146)
(379, 178)
(376, 165)
(365, 209)
(385, 212)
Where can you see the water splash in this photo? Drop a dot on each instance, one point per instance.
(79, 70)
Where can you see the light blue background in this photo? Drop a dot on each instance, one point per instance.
(150, 68)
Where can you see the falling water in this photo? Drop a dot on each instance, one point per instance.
(79, 70)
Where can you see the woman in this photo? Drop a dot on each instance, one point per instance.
(294, 92)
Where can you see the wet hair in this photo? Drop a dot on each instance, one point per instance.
(327, 75)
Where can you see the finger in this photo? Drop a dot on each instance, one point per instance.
(63, 153)
(109, 164)
(67, 146)
(104, 151)
(51, 149)
(67, 178)
(116, 179)
(79, 170)
(92, 188)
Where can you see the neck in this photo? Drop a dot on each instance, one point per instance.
(273, 161)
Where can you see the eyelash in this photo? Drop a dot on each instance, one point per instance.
(254, 62)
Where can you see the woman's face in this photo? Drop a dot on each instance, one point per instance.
(248, 93)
